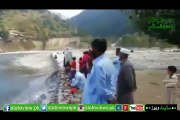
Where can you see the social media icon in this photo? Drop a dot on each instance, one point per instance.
(81, 107)
(7, 107)
(118, 107)
(125, 107)
(132, 107)
(136, 107)
(43, 108)
(140, 107)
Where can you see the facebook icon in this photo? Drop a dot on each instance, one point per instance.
(6, 108)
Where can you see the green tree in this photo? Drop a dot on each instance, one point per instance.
(43, 36)
(3, 32)
(172, 36)
(42, 32)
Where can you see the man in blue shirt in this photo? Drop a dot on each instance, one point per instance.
(99, 88)
(78, 80)
(117, 65)
(116, 61)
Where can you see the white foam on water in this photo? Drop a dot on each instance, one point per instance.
(59, 59)
(36, 61)
(32, 94)
(33, 69)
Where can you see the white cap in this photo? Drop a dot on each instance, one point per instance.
(125, 51)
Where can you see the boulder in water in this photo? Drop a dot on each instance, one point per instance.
(178, 50)
(43, 96)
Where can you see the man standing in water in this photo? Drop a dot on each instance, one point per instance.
(98, 88)
(126, 84)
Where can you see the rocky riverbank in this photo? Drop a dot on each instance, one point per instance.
(62, 92)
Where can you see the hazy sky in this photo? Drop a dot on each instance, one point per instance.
(68, 13)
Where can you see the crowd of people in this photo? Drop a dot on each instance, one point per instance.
(105, 81)
(102, 80)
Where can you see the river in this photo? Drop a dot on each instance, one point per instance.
(26, 77)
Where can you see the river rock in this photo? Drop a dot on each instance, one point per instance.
(75, 101)
(43, 96)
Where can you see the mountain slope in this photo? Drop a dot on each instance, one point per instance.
(104, 23)
(35, 22)
(36, 29)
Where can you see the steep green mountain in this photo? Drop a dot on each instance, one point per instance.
(105, 23)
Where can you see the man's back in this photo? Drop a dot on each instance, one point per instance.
(117, 63)
(98, 87)
(81, 77)
(126, 78)
(68, 56)
(73, 65)
(79, 80)
(85, 58)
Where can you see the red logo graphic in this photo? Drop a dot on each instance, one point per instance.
(139, 107)
(125, 107)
